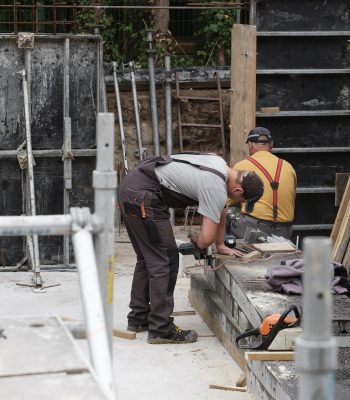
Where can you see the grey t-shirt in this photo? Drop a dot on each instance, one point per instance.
(205, 187)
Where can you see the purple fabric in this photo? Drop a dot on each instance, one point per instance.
(287, 278)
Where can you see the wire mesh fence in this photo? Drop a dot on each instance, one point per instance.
(193, 32)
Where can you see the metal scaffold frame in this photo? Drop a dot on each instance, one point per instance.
(94, 259)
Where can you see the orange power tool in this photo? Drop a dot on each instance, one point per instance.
(269, 328)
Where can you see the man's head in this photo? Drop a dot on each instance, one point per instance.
(244, 186)
(259, 139)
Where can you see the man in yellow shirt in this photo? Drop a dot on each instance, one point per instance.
(274, 212)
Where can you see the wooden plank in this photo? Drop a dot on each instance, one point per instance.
(183, 313)
(231, 388)
(243, 89)
(273, 247)
(254, 255)
(270, 355)
(124, 334)
(242, 380)
(346, 259)
(341, 180)
(340, 215)
(342, 237)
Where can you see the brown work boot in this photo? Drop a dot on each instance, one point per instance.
(177, 336)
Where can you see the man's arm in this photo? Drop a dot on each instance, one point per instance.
(212, 232)
(220, 239)
(208, 233)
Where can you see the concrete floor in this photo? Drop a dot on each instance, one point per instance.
(142, 370)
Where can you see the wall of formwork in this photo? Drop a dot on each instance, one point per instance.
(303, 66)
(47, 94)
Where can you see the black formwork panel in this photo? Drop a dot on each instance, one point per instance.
(303, 65)
(10, 204)
(303, 92)
(309, 131)
(318, 169)
(315, 208)
(302, 15)
(47, 132)
(277, 52)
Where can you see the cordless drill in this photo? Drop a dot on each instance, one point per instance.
(230, 240)
(199, 254)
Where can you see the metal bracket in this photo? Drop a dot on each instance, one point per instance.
(81, 219)
(136, 152)
(25, 40)
(104, 180)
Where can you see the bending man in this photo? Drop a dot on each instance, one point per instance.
(144, 197)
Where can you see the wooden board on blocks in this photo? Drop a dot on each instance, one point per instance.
(274, 247)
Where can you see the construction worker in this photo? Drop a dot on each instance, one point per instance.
(144, 197)
(274, 212)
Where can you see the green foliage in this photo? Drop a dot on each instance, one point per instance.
(88, 19)
(214, 35)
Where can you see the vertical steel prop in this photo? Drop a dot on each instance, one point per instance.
(141, 154)
(120, 118)
(168, 108)
(152, 92)
(30, 170)
(67, 145)
(168, 118)
(102, 83)
(316, 357)
(104, 182)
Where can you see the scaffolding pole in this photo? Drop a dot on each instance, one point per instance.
(152, 92)
(120, 118)
(104, 183)
(30, 175)
(67, 145)
(316, 357)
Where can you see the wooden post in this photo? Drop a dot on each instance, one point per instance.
(243, 89)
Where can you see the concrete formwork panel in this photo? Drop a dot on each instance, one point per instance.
(46, 83)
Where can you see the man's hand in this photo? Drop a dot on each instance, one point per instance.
(222, 249)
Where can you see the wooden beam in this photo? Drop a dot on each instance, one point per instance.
(231, 388)
(341, 180)
(340, 228)
(124, 334)
(270, 355)
(346, 259)
(274, 247)
(243, 89)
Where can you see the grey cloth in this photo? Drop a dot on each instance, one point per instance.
(245, 221)
(203, 186)
(287, 278)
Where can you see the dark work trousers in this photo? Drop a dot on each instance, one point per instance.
(245, 221)
(146, 218)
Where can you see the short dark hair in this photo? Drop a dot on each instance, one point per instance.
(253, 189)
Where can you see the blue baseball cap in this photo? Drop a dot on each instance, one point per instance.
(254, 135)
